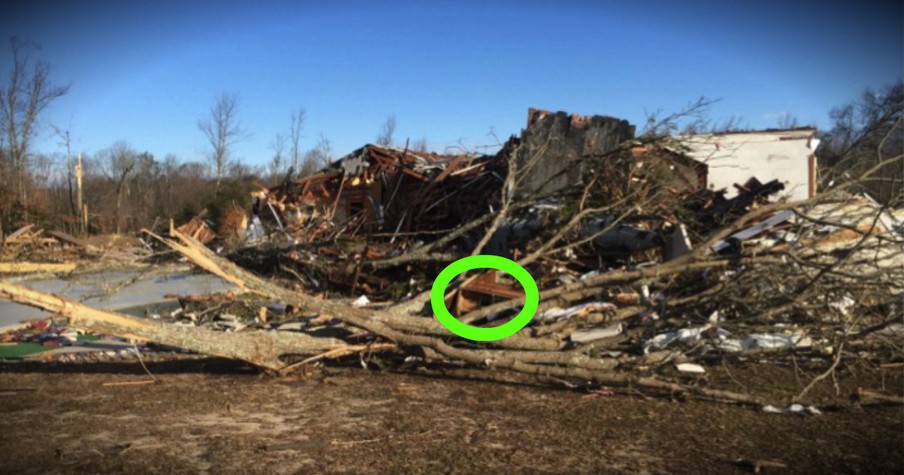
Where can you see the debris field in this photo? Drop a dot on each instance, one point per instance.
(649, 274)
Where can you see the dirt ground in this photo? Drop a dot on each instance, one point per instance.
(216, 416)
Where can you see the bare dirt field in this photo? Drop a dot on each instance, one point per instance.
(217, 416)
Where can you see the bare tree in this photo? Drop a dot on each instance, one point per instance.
(277, 161)
(787, 120)
(118, 164)
(65, 137)
(222, 131)
(295, 127)
(310, 163)
(26, 94)
(317, 157)
(420, 145)
(865, 134)
(324, 151)
(692, 119)
(170, 171)
(386, 133)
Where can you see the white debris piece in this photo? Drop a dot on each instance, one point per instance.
(731, 344)
(752, 231)
(361, 301)
(292, 326)
(778, 340)
(685, 334)
(588, 307)
(793, 409)
(690, 368)
(796, 339)
(591, 334)
(843, 305)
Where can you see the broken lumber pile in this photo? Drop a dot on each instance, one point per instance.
(23, 250)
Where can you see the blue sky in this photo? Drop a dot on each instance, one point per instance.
(146, 72)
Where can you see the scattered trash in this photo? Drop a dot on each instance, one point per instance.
(793, 409)
(587, 335)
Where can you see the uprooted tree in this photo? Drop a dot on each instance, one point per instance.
(604, 224)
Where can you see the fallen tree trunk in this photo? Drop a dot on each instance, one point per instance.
(548, 362)
(262, 349)
(395, 317)
(537, 356)
(30, 267)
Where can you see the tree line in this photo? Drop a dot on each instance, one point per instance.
(122, 189)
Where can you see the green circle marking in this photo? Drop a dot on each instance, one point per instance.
(438, 292)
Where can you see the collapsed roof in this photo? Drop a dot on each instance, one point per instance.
(385, 189)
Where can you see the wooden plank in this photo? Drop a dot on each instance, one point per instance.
(19, 232)
(486, 284)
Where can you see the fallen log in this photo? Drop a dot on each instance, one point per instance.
(31, 267)
(260, 348)
(69, 239)
(872, 397)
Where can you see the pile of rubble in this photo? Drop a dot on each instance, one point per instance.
(21, 247)
(31, 249)
(645, 266)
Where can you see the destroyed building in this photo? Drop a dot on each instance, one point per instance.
(558, 150)
(733, 158)
(649, 266)
(408, 198)
(638, 202)
(552, 150)
(378, 189)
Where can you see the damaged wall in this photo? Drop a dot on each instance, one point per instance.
(784, 155)
(554, 145)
